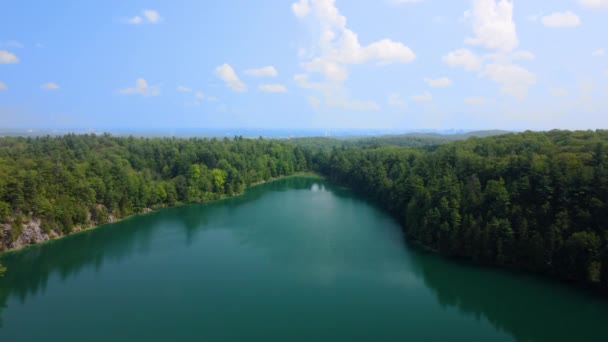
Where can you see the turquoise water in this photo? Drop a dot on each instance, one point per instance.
(292, 260)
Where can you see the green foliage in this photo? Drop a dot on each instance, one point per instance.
(80, 180)
(532, 201)
(2, 270)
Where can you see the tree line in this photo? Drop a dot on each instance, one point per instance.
(531, 201)
(84, 180)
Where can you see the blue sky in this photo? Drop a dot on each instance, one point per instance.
(399, 64)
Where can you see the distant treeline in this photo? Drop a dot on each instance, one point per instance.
(83, 180)
(530, 201)
(427, 141)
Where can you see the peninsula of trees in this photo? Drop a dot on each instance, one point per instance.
(533, 201)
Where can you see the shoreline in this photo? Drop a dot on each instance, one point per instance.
(146, 212)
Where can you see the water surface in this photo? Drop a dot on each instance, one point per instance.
(292, 260)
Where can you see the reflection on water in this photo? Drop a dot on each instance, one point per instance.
(310, 232)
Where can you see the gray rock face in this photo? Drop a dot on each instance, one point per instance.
(32, 233)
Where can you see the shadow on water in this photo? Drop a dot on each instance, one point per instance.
(527, 308)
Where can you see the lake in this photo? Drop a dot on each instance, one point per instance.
(292, 260)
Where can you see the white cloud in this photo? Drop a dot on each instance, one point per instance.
(199, 95)
(594, 3)
(514, 80)
(8, 57)
(136, 20)
(3, 86)
(50, 86)
(301, 8)
(494, 28)
(141, 88)
(558, 92)
(463, 58)
(423, 97)
(598, 53)
(184, 89)
(396, 100)
(561, 19)
(475, 100)
(441, 82)
(267, 71)
(227, 74)
(152, 16)
(148, 16)
(493, 25)
(339, 46)
(272, 88)
(331, 70)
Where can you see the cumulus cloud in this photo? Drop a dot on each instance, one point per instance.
(494, 29)
(3, 86)
(475, 100)
(339, 46)
(561, 19)
(423, 97)
(148, 16)
(50, 86)
(441, 82)
(301, 8)
(267, 71)
(227, 74)
(493, 25)
(598, 53)
(333, 71)
(272, 88)
(199, 95)
(184, 89)
(463, 58)
(8, 57)
(141, 88)
(558, 92)
(594, 3)
(152, 15)
(513, 79)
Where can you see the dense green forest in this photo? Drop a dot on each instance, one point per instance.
(529, 201)
(532, 201)
(427, 141)
(76, 181)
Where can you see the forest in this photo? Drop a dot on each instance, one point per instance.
(77, 181)
(532, 201)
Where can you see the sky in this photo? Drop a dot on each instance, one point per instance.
(381, 64)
